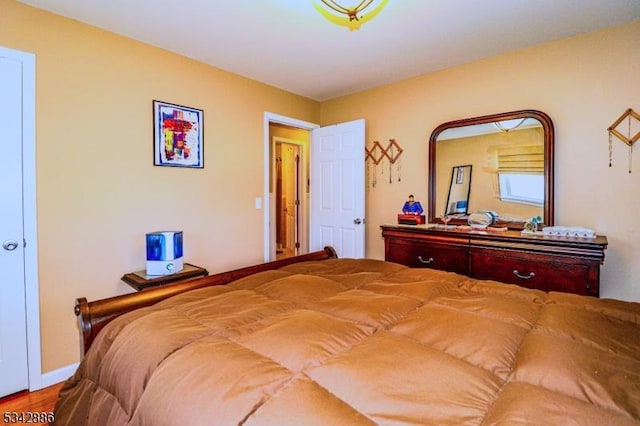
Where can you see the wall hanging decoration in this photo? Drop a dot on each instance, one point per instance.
(377, 155)
(373, 155)
(630, 115)
(178, 135)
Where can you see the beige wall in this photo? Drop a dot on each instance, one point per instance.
(98, 192)
(584, 83)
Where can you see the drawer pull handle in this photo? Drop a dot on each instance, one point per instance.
(425, 261)
(524, 277)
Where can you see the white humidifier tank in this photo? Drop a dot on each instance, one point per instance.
(164, 252)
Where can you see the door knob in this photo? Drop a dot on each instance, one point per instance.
(357, 221)
(10, 245)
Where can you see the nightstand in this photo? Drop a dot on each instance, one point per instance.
(139, 280)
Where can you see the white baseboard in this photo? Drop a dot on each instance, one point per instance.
(56, 376)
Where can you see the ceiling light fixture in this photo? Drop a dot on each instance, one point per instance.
(351, 17)
(508, 125)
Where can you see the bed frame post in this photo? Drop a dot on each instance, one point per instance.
(81, 310)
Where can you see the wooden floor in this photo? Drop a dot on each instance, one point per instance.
(42, 401)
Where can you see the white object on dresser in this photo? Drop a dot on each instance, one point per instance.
(569, 231)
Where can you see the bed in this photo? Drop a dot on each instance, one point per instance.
(317, 340)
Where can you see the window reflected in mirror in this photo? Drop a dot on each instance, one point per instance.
(522, 188)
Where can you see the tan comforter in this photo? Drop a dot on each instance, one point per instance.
(362, 342)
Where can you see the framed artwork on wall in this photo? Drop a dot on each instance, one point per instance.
(178, 135)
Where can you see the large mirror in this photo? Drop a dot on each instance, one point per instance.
(508, 161)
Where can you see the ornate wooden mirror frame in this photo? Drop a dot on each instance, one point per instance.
(548, 143)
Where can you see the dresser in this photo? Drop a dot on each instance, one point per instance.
(567, 264)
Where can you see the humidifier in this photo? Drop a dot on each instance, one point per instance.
(164, 252)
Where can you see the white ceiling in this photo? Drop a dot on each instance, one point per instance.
(288, 44)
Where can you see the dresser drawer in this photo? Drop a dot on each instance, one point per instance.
(422, 254)
(542, 272)
(565, 264)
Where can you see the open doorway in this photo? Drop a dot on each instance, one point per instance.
(332, 204)
(288, 190)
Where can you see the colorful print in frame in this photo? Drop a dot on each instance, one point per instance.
(177, 135)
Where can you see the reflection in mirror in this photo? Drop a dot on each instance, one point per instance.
(458, 196)
(511, 155)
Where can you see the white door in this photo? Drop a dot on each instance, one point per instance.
(337, 189)
(13, 330)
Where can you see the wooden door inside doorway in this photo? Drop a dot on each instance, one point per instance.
(287, 198)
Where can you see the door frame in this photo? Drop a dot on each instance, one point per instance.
(270, 117)
(32, 306)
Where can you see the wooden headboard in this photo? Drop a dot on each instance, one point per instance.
(93, 316)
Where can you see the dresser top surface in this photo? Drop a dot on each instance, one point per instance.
(481, 234)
